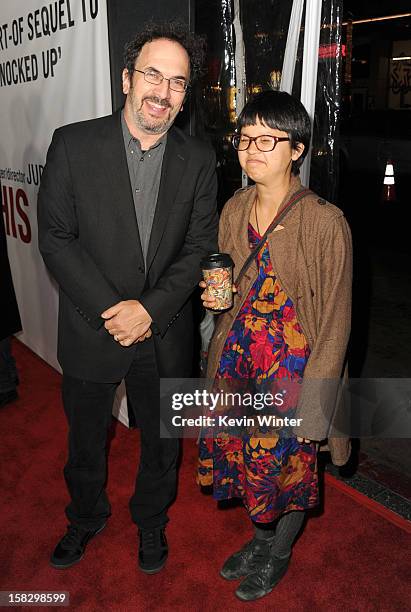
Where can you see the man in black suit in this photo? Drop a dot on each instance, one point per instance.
(126, 212)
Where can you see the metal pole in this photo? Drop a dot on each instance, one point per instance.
(291, 47)
(310, 68)
(240, 75)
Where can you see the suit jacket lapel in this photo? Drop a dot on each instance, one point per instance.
(116, 170)
(174, 163)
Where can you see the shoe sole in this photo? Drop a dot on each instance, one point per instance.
(154, 570)
(67, 565)
(230, 578)
(56, 566)
(279, 578)
(254, 598)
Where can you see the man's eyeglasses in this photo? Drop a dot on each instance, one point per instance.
(264, 143)
(155, 77)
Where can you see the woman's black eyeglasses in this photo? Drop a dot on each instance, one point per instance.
(264, 143)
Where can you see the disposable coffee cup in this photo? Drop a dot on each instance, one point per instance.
(218, 275)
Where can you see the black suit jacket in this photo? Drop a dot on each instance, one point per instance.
(88, 237)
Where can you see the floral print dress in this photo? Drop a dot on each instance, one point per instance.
(272, 474)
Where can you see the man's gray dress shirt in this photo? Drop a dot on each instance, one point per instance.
(144, 168)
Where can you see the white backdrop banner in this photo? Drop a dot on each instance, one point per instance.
(54, 69)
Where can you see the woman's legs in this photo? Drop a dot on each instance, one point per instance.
(266, 572)
(272, 541)
(286, 531)
(282, 533)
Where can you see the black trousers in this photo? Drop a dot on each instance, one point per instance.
(88, 407)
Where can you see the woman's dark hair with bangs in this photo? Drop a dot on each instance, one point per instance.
(279, 111)
(173, 30)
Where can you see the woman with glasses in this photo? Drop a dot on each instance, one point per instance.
(287, 331)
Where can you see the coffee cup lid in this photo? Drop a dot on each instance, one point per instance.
(217, 260)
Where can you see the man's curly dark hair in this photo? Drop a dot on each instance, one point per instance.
(171, 30)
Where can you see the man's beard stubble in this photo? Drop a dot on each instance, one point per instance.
(153, 127)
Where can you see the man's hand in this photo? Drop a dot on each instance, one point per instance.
(148, 334)
(128, 322)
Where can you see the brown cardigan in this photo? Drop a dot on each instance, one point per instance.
(311, 255)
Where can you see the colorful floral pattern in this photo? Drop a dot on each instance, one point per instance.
(272, 474)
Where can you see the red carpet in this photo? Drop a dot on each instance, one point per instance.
(348, 558)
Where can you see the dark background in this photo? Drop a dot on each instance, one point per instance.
(125, 18)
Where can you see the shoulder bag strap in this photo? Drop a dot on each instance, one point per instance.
(296, 197)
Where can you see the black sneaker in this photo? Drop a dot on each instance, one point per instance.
(244, 561)
(153, 550)
(7, 397)
(263, 579)
(71, 547)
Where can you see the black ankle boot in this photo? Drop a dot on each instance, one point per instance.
(244, 561)
(264, 578)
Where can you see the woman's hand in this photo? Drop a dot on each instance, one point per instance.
(208, 300)
(303, 440)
